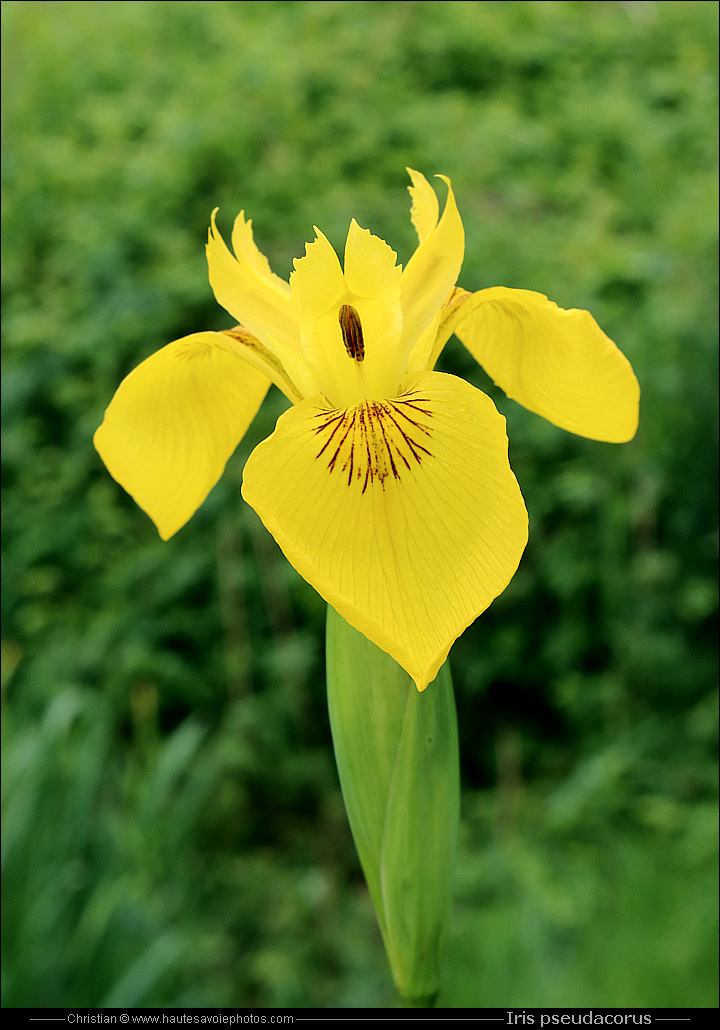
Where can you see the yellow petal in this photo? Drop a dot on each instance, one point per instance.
(175, 421)
(423, 355)
(371, 268)
(250, 349)
(318, 287)
(431, 343)
(373, 278)
(425, 209)
(252, 259)
(370, 284)
(259, 300)
(432, 271)
(556, 362)
(404, 515)
(318, 281)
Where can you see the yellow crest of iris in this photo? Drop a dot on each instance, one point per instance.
(386, 484)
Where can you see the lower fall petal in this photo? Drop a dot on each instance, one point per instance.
(174, 422)
(403, 514)
(555, 362)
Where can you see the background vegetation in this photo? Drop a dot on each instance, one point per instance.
(174, 832)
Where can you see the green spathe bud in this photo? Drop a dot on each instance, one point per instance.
(397, 756)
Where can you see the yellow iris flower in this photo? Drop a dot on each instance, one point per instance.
(386, 484)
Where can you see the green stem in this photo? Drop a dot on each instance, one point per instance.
(397, 756)
(427, 1002)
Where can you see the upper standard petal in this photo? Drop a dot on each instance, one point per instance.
(425, 210)
(318, 287)
(250, 257)
(370, 285)
(403, 514)
(245, 286)
(258, 299)
(432, 271)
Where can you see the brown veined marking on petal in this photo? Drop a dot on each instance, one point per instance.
(338, 418)
(380, 409)
(412, 421)
(414, 403)
(417, 450)
(412, 444)
(350, 459)
(368, 468)
(350, 428)
(381, 453)
(351, 328)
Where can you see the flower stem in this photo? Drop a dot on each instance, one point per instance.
(397, 757)
(428, 1001)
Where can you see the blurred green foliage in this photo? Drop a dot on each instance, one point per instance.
(174, 832)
